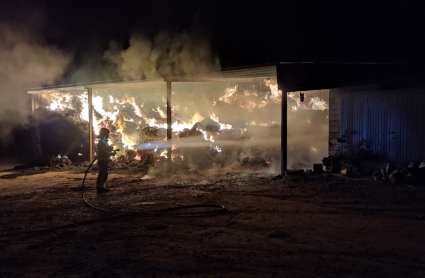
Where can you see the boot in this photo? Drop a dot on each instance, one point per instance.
(101, 189)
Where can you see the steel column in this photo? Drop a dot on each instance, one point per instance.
(169, 133)
(34, 132)
(284, 134)
(91, 137)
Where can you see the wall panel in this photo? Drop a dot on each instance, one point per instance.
(392, 122)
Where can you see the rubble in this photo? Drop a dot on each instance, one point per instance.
(413, 173)
(377, 175)
(59, 161)
(384, 174)
(412, 165)
(397, 176)
(390, 168)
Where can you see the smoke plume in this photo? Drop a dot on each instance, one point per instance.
(26, 62)
(164, 55)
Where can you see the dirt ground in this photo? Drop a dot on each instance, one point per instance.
(323, 225)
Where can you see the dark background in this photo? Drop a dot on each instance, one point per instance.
(240, 32)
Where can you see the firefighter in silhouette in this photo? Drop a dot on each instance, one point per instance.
(104, 152)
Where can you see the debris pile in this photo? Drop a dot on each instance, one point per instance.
(414, 173)
(59, 161)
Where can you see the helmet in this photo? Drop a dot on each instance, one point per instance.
(103, 132)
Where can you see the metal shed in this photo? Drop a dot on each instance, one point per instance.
(347, 110)
(390, 121)
(253, 89)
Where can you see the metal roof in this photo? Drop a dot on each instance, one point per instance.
(239, 75)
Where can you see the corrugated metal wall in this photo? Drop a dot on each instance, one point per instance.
(392, 122)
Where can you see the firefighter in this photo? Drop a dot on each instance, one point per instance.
(104, 152)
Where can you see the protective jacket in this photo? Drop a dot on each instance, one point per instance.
(104, 151)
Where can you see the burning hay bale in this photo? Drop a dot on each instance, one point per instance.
(140, 161)
(121, 159)
(210, 125)
(61, 133)
(130, 154)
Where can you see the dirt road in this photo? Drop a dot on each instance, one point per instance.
(309, 226)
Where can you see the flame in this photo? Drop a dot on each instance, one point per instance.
(207, 137)
(216, 148)
(164, 153)
(61, 101)
(275, 94)
(161, 113)
(214, 117)
(127, 116)
(229, 95)
(223, 126)
(262, 104)
(138, 156)
(309, 103)
(318, 104)
(136, 108)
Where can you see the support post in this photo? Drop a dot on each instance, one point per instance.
(34, 132)
(169, 133)
(283, 119)
(91, 136)
(37, 131)
(284, 133)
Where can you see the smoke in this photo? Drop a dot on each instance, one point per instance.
(27, 61)
(163, 56)
(308, 131)
(196, 143)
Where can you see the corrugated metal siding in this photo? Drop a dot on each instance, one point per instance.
(391, 122)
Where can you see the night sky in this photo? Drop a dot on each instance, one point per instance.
(240, 32)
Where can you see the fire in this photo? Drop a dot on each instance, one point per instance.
(75, 102)
(134, 120)
(223, 126)
(309, 103)
(161, 113)
(216, 148)
(136, 108)
(229, 95)
(275, 94)
(318, 104)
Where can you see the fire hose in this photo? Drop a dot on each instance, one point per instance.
(171, 211)
(167, 212)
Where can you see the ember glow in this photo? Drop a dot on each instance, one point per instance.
(78, 103)
(309, 103)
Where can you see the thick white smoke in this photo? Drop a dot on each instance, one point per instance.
(165, 55)
(308, 131)
(26, 62)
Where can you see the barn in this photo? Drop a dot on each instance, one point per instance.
(237, 115)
